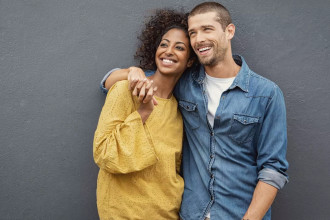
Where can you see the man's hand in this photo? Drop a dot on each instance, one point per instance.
(263, 197)
(135, 74)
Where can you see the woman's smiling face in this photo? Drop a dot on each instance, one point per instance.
(173, 52)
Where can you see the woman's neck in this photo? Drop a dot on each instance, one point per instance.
(164, 83)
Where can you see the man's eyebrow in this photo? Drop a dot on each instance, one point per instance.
(208, 26)
(203, 26)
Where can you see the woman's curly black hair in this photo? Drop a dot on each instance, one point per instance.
(155, 27)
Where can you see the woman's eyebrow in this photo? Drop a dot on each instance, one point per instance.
(178, 42)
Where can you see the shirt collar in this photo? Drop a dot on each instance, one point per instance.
(241, 80)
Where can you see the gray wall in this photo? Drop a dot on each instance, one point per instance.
(54, 53)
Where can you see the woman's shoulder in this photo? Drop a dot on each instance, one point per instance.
(120, 88)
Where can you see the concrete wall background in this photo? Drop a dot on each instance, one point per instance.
(54, 53)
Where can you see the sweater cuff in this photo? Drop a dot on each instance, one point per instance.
(272, 178)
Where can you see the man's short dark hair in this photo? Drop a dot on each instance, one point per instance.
(223, 15)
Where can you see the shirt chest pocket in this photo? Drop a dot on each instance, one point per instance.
(243, 128)
(189, 112)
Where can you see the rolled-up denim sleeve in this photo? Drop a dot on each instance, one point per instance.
(102, 83)
(272, 142)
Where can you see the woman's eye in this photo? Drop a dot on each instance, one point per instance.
(163, 45)
(180, 48)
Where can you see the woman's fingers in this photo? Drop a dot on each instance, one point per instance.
(142, 92)
(149, 95)
(145, 91)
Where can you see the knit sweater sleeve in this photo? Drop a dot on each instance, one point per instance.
(122, 143)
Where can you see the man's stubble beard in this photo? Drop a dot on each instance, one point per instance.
(217, 57)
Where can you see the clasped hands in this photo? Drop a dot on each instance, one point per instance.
(144, 89)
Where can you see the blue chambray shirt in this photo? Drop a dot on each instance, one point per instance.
(222, 165)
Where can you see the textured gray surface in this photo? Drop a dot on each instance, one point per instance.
(53, 54)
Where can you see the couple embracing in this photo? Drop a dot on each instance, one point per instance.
(229, 162)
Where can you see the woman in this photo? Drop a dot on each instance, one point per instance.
(138, 145)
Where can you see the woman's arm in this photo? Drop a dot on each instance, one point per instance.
(122, 142)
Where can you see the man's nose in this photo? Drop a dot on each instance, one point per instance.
(199, 38)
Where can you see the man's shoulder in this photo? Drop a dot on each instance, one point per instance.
(261, 79)
(260, 85)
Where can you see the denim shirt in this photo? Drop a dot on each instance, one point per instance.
(222, 165)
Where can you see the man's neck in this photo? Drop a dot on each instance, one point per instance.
(226, 68)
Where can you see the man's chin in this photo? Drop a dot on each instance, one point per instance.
(207, 62)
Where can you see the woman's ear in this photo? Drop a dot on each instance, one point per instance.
(191, 61)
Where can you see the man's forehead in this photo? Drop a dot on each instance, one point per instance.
(206, 18)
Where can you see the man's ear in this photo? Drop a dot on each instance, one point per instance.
(230, 31)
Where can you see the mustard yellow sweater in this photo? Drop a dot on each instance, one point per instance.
(139, 163)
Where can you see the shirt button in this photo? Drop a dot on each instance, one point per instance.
(212, 133)
(212, 197)
(211, 156)
(212, 176)
(218, 117)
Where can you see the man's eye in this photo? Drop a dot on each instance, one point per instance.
(191, 33)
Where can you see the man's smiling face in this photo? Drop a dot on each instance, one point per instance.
(207, 38)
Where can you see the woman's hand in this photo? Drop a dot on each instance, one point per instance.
(146, 107)
(140, 85)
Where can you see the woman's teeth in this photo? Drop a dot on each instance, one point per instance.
(167, 61)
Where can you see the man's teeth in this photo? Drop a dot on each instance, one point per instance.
(167, 61)
(204, 48)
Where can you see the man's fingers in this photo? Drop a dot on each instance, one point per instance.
(134, 93)
(135, 74)
(132, 83)
(137, 88)
(149, 84)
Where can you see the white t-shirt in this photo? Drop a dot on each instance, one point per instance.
(214, 89)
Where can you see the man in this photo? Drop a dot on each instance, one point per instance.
(235, 124)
